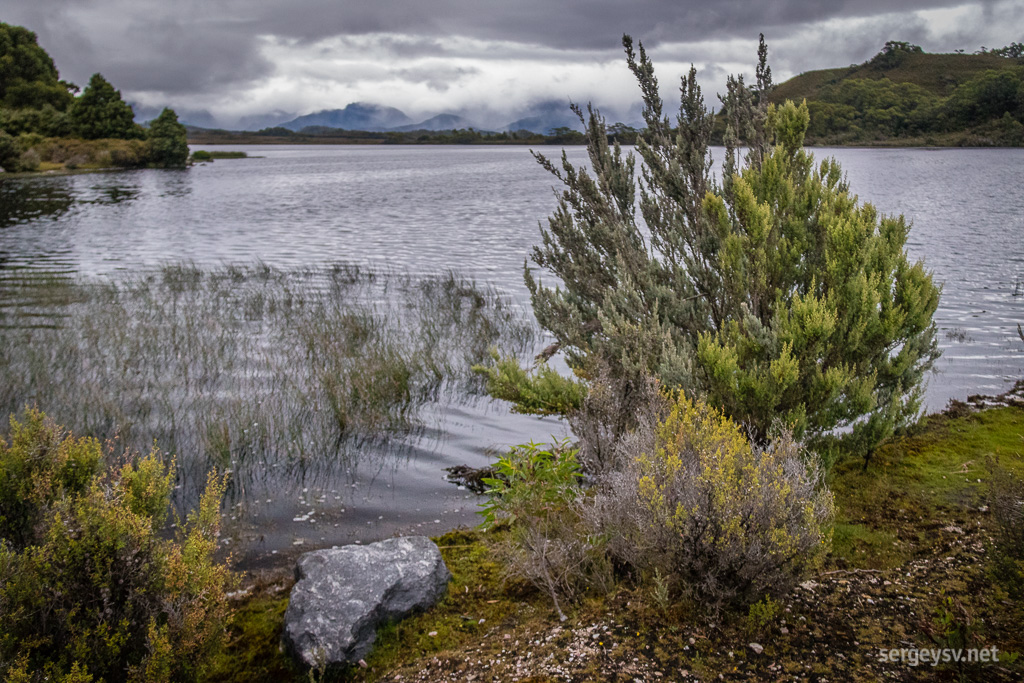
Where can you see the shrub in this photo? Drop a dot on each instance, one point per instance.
(124, 153)
(203, 155)
(99, 591)
(725, 521)
(776, 293)
(29, 160)
(41, 465)
(536, 490)
(1006, 499)
(9, 153)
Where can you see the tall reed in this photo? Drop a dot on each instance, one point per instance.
(261, 371)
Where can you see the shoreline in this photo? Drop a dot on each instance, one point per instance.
(910, 541)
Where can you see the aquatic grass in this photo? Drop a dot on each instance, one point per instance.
(265, 372)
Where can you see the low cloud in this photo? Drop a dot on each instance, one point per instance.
(239, 59)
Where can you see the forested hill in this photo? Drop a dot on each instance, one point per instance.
(904, 95)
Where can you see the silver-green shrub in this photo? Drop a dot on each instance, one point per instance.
(775, 293)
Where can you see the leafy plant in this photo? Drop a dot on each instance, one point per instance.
(531, 482)
(762, 613)
(536, 492)
(167, 141)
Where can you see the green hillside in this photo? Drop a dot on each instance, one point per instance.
(904, 95)
(937, 73)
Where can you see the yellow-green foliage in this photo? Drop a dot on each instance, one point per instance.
(725, 520)
(42, 464)
(100, 591)
(536, 490)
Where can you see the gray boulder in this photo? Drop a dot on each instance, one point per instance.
(342, 595)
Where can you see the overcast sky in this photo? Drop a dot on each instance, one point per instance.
(490, 59)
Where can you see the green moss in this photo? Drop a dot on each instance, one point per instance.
(253, 651)
(887, 512)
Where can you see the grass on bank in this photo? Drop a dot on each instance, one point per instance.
(910, 567)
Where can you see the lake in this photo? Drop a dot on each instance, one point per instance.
(423, 210)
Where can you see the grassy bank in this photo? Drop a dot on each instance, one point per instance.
(911, 566)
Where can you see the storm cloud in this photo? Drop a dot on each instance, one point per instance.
(490, 59)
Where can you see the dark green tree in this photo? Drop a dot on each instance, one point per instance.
(101, 113)
(10, 153)
(28, 78)
(894, 53)
(168, 144)
(775, 294)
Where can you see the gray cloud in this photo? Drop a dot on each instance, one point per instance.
(238, 58)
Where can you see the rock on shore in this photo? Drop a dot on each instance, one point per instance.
(342, 595)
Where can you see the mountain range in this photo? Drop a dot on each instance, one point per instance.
(540, 118)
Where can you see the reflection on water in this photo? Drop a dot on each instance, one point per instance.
(428, 209)
(24, 201)
(292, 381)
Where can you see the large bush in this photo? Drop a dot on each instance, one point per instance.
(89, 585)
(685, 499)
(40, 466)
(775, 293)
(725, 522)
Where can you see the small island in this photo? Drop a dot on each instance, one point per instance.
(46, 124)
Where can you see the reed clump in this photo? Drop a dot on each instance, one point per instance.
(246, 368)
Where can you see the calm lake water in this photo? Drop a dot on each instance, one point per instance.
(476, 209)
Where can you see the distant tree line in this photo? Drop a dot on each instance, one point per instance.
(620, 132)
(37, 107)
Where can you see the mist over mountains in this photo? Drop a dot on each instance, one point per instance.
(541, 118)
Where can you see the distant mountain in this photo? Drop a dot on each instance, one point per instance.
(439, 122)
(356, 116)
(543, 117)
(261, 121)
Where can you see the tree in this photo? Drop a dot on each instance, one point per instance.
(168, 141)
(101, 113)
(894, 53)
(775, 294)
(28, 78)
